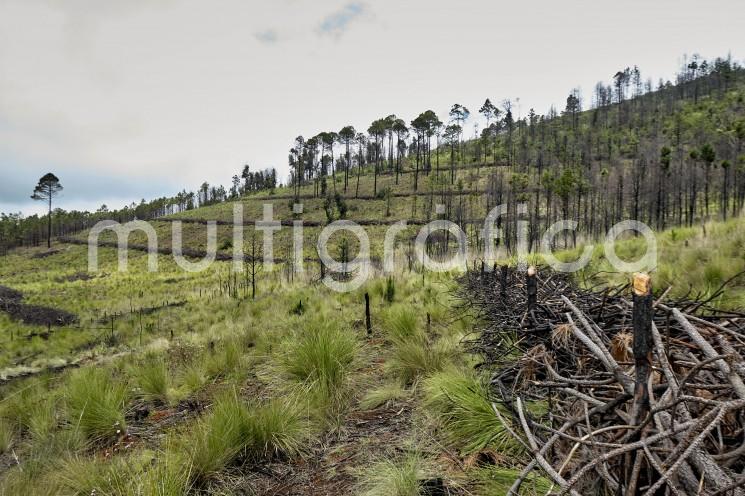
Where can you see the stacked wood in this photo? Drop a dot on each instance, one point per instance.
(610, 391)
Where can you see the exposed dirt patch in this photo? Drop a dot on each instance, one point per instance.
(330, 468)
(47, 253)
(12, 304)
(78, 276)
(9, 295)
(38, 315)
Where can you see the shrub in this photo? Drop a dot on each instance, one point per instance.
(95, 403)
(461, 403)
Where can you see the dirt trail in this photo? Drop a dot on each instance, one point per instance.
(330, 468)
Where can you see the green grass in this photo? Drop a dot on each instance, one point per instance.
(414, 354)
(689, 261)
(320, 357)
(95, 403)
(394, 477)
(170, 475)
(83, 476)
(234, 429)
(460, 402)
(498, 480)
(277, 428)
(219, 437)
(383, 395)
(224, 358)
(7, 436)
(153, 379)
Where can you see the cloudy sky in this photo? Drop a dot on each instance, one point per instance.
(125, 99)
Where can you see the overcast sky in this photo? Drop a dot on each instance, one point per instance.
(141, 98)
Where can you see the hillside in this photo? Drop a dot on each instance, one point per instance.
(269, 382)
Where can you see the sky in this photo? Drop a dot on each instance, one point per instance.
(131, 99)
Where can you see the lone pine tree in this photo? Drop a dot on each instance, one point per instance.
(48, 187)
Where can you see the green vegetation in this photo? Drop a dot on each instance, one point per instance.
(460, 400)
(184, 383)
(693, 261)
(394, 477)
(95, 403)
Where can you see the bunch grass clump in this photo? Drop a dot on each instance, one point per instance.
(171, 475)
(460, 401)
(383, 395)
(225, 358)
(390, 477)
(95, 403)
(320, 358)
(498, 480)
(236, 430)
(219, 437)
(414, 353)
(7, 435)
(153, 379)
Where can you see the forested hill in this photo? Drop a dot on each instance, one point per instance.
(668, 153)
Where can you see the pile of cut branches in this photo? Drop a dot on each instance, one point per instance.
(641, 396)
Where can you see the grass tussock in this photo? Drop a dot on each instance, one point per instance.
(95, 403)
(460, 402)
(169, 475)
(7, 435)
(83, 476)
(499, 480)
(394, 477)
(153, 379)
(383, 395)
(219, 437)
(414, 353)
(224, 358)
(234, 430)
(320, 360)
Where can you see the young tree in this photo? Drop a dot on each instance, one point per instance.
(253, 264)
(377, 130)
(48, 187)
